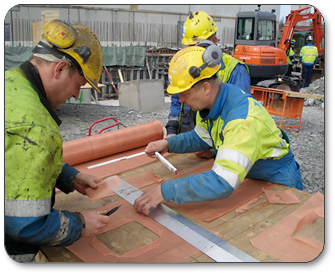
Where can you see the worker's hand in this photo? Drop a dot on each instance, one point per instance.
(94, 222)
(168, 136)
(160, 146)
(150, 198)
(82, 181)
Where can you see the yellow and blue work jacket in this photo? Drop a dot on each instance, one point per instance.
(248, 143)
(33, 168)
(308, 55)
(290, 56)
(234, 71)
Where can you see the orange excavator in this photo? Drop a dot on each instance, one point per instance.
(255, 45)
(291, 22)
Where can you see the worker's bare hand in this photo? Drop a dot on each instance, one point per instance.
(168, 136)
(150, 198)
(82, 181)
(94, 222)
(160, 146)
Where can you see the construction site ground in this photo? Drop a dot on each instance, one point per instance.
(308, 145)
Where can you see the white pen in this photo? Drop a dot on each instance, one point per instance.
(166, 162)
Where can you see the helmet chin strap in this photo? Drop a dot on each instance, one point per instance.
(45, 51)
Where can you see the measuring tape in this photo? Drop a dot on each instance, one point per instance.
(211, 245)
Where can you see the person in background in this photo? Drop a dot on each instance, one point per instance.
(199, 26)
(308, 58)
(290, 58)
(67, 58)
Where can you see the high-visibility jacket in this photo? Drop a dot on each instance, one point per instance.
(181, 117)
(33, 163)
(248, 142)
(290, 56)
(235, 72)
(308, 55)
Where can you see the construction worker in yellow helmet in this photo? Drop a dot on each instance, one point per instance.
(199, 28)
(290, 58)
(64, 60)
(248, 142)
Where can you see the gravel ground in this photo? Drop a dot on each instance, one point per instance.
(307, 145)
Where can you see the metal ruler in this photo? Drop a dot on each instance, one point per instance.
(213, 246)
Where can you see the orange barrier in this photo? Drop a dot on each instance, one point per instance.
(283, 103)
(102, 145)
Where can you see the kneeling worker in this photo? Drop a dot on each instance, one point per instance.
(248, 142)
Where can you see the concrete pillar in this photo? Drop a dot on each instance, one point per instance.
(142, 95)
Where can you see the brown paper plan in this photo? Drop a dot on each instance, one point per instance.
(283, 241)
(281, 197)
(210, 210)
(105, 188)
(163, 246)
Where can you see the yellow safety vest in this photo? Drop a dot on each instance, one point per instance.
(308, 54)
(290, 55)
(230, 63)
(33, 149)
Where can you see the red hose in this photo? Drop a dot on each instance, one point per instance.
(110, 79)
(101, 120)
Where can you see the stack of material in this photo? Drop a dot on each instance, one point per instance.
(92, 150)
(316, 87)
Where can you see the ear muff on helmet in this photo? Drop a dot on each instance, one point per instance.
(59, 34)
(181, 65)
(77, 44)
(63, 36)
(211, 57)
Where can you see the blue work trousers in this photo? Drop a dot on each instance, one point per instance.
(307, 72)
(285, 171)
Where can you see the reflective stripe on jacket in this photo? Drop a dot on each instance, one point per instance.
(33, 162)
(243, 132)
(308, 55)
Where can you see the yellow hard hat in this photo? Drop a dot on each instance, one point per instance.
(187, 67)
(198, 27)
(78, 44)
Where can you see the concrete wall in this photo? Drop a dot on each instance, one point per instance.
(128, 24)
(142, 95)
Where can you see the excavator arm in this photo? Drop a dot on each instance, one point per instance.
(291, 22)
